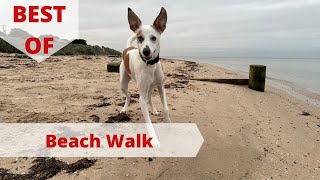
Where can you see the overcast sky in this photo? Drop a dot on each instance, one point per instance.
(215, 28)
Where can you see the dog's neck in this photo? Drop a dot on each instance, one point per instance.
(150, 62)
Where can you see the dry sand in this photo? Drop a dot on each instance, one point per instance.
(248, 134)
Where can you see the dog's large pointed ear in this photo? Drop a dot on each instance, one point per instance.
(161, 21)
(134, 20)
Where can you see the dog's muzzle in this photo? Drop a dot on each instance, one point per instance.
(149, 61)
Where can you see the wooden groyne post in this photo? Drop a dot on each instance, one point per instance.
(257, 77)
(113, 67)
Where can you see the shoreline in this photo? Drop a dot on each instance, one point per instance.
(308, 96)
(311, 97)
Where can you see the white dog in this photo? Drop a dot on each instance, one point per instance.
(142, 65)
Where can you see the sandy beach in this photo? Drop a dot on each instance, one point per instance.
(247, 134)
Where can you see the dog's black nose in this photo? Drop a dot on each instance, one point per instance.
(146, 51)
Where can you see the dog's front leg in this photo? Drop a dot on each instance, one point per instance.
(153, 109)
(144, 92)
(164, 101)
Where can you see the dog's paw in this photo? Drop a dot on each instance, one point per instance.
(155, 143)
(156, 113)
(124, 111)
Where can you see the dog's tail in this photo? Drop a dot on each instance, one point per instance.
(130, 40)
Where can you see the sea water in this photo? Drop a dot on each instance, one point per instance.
(298, 77)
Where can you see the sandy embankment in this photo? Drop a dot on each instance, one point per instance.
(248, 134)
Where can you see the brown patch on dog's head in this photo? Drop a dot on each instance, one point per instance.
(126, 58)
(139, 33)
(161, 21)
(134, 20)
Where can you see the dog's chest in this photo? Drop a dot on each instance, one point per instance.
(146, 72)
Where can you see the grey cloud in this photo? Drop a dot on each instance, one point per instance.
(258, 28)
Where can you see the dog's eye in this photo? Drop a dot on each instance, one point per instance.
(153, 38)
(140, 39)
